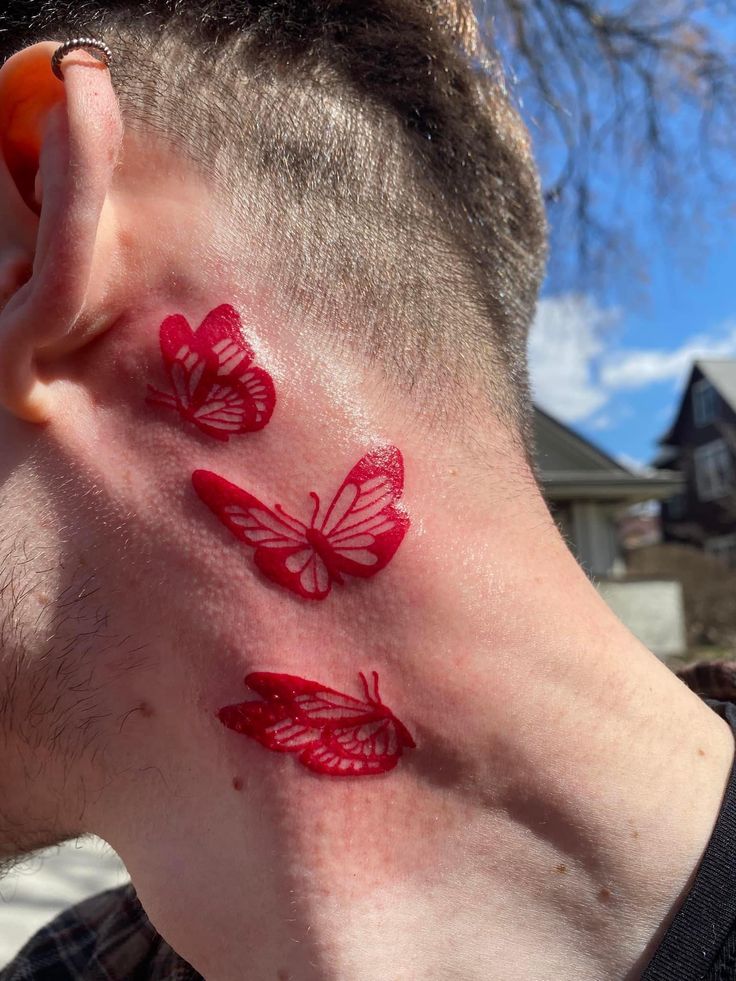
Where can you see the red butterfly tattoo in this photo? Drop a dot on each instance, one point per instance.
(332, 732)
(358, 536)
(214, 383)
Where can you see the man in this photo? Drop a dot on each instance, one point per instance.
(289, 248)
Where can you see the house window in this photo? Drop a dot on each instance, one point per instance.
(713, 470)
(723, 547)
(705, 402)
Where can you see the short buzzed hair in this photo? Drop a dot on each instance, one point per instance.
(374, 145)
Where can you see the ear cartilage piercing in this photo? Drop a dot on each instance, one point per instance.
(91, 44)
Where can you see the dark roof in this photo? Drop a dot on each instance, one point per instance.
(571, 467)
(722, 376)
(585, 454)
(721, 373)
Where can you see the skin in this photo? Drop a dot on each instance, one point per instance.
(564, 784)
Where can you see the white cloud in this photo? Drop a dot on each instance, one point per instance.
(575, 373)
(565, 347)
(637, 369)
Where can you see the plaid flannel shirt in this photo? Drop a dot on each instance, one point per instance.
(105, 938)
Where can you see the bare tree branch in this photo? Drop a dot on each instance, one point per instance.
(641, 93)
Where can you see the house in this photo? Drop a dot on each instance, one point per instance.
(701, 445)
(588, 492)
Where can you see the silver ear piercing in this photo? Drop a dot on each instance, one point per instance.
(91, 44)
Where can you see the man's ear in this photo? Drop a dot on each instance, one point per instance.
(59, 145)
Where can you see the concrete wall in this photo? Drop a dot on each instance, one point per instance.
(653, 610)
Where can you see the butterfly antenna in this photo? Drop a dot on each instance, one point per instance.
(375, 686)
(366, 689)
(315, 498)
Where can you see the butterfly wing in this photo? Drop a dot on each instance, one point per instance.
(366, 521)
(224, 410)
(221, 334)
(241, 396)
(271, 725)
(184, 362)
(361, 748)
(282, 551)
(293, 713)
(257, 386)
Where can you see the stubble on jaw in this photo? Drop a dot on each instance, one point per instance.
(59, 657)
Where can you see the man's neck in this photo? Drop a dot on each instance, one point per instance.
(563, 786)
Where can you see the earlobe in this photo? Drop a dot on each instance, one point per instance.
(59, 145)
